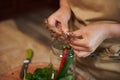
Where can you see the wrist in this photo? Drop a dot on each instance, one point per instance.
(114, 30)
(66, 12)
(64, 5)
(111, 30)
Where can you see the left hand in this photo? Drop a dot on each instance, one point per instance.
(92, 36)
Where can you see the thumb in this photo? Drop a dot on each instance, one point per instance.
(65, 27)
(51, 21)
(77, 33)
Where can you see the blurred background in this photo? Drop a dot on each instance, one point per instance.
(28, 15)
(22, 27)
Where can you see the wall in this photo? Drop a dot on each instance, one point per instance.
(11, 8)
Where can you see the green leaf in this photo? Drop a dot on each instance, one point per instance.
(29, 76)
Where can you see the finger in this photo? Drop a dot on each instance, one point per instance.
(51, 21)
(62, 26)
(78, 42)
(53, 25)
(54, 29)
(82, 53)
(65, 27)
(79, 48)
(77, 33)
(58, 24)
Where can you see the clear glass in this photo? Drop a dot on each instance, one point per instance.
(57, 46)
(57, 51)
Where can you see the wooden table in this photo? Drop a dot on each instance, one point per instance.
(13, 46)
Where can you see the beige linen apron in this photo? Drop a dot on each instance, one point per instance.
(104, 63)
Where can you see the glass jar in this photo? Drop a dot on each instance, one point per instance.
(65, 58)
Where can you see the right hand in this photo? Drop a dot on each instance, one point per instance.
(59, 20)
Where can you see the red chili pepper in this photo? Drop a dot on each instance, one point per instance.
(64, 58)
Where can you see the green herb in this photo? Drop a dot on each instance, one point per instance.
(47, 73)
(41, 73)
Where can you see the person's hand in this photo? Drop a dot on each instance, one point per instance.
(92, 37)
(59, 20)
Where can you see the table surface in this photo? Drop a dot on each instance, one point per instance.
(13, 46)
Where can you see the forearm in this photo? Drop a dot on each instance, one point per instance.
(114, 31)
